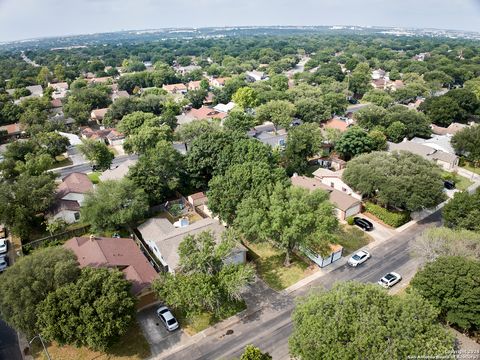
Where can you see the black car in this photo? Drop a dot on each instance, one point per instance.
(352, 100)
(363, 223)
(449, 185)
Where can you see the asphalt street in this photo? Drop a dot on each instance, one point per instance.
(270, 328)
(86, 167)
(9, 349)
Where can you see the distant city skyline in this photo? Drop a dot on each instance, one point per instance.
(25, 19)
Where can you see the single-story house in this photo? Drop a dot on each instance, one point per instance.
(119, 94)
(98, 115)
(218, 82)
(35, 90)
(10, 131)
(60, 90)
(194, 85)
(100, 80)
(110, 136)
(184, 70)
(56, 103)
(164, 239)
(333, 179)
(339, 123)
(204, 112)
(445, 160)
(438, 142)
(117, 253)
(118, 172)
(224, 108)
(70, 196)
(266, 134)
(452, 129)
(175, 88)
(378, 74)
(255, 75)
(345, 205)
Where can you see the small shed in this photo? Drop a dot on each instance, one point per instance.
(335, 254)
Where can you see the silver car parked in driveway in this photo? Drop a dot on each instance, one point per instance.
(167, 318)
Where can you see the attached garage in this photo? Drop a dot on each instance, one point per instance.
(345, 204)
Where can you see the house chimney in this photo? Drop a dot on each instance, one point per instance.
(92, 237)
(295, 174)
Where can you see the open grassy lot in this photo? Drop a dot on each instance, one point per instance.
(352, 239)
(132, 346)
(269, 263)
(193, 324)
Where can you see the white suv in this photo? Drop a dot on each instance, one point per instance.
(359, 258)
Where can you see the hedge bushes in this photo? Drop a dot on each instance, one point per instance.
(394, 219)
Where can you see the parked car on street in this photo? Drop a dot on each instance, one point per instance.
(363, 223)
(3, 263)
(167, 318)
(3, 246)
(389, 280)
(359, 258)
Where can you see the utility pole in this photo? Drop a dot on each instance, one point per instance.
(43, 344)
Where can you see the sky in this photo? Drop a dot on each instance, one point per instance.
(24, 19)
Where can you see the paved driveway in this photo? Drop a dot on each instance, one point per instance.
(157, 336)
(380, 232)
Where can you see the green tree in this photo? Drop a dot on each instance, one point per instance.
(197, 97)
(416, 123)
(462, 211)
(353, 142)
(451, 285)
(29, 281)
(304, 141)
(379, 140)
(238, 120)
(95, 311)
(113, 204)
(52, 143)
(371, 116)
(59, 72)
(379, 98)
(22, 201)
(226, 191)
(132, 122)
(279, 112)
(288, 217)
(146, 137)
(355, 320)
(441, 110)
(312, 110)
(359, 80)
(253, 353)
(245, 97)
(466, 142)
(43, 76)
(399, 179)
(97, 153)
(396, 131)
(158, 172)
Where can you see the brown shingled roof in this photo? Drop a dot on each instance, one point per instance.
(74, 183)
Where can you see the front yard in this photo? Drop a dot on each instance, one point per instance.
(193, 324)
(461, 182)
(269, 263)
(352, 239)
(132, 346)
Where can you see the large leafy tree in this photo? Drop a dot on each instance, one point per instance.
(28, 282)
(24, 199)
(238, 120)
(52, 143)
(312, 109)
(253, 353)
(226, 191)
(158, 172)
(245, 97)
(288, 217)
(463, 211)
(304, 141)
(466, 142)
(379, 98)
(94, 311)
(97, 153)
(451, 285)
(353, 142)
(359, 80)
(441, 110)
(279, 112)
(399, 179)
(146, 137)
(354, 320)
(204, 281)
(114, 203)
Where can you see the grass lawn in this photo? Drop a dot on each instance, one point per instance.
(94, 177)
(468, 166)
(195, 323)
(132, 346)
(269, 264)
(352, 239)
(61, 161)
(461, 182)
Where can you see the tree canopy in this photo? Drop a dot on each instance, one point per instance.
(355, 320)
(463, 211)
(466, 142)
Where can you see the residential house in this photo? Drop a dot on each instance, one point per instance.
(118, 172)
(268, 134)
(253, 76)
(446, 160)
(117, 253)
(110, 135)
(395, 85)
(194, 85)
(333, 179)
(100, 80)
(56, 103)
(11, 131)
(224, 108)
(175, 88)
(35, 90)
(452, 129)
(218, 82)
(438, 142)
(339, 123)
(204, 112)
(117, 94)
(184, 70)
(345, 205)
(98, 115)
(380, 84)
(70, 196)
(163, 239)
(60, 90)
(378, 74)
(197, 199)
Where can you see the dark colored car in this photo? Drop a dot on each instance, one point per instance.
(363, 223)
(449, 185)
(352, 100)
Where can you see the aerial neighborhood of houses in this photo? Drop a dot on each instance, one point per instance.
(179, 193)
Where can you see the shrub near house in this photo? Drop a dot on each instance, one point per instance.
(391, 218)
